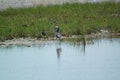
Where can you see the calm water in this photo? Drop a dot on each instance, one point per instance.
(62, 61)
(24, 3)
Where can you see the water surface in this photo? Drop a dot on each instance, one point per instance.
(62, 61)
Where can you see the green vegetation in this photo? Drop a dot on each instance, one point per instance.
(73, 19)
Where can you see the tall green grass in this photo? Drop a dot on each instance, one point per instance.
(73, 19)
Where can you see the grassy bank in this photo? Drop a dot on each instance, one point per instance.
(73, 19)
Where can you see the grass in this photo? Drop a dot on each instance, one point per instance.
(73, 19)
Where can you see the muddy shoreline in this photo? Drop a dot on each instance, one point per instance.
(34, 41)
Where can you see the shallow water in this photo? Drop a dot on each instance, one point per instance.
(26, 3)
(62, 61)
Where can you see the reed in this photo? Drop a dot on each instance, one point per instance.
(73, 19)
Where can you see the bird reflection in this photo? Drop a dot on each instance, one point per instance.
(58, 50)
